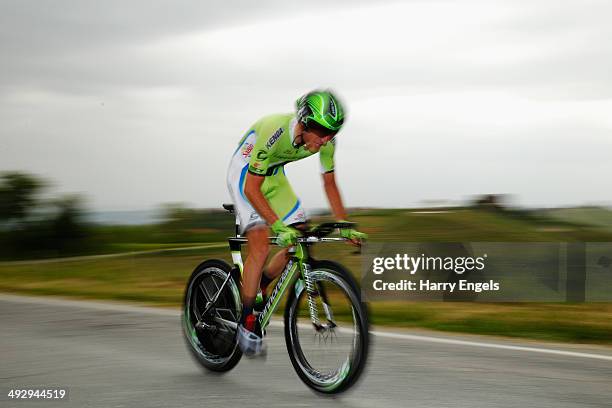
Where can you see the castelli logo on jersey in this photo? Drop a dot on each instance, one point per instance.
(246, 152)
(274, 137)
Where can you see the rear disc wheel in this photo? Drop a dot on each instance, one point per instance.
(211, 336)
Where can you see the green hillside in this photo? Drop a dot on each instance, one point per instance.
(158, 278)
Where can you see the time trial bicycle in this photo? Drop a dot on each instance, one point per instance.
(325, 321)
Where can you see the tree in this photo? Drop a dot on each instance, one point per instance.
(31, 227)
(68, 226)
(18, 193)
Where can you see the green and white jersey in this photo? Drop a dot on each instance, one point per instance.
(264, 150)
(269, 144)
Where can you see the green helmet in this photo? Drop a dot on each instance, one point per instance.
(321, 107)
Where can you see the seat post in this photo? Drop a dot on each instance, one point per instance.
(232, 210)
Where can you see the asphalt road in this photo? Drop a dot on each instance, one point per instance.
(124, 356)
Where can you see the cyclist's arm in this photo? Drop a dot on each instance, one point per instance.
(333, 195)
(252, 190)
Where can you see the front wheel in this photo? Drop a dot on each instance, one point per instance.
(328, 355)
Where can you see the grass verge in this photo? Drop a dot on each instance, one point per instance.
(159, 280)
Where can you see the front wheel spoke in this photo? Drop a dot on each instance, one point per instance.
(325, 357)
(334, 335)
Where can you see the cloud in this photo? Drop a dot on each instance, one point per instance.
(143, 102)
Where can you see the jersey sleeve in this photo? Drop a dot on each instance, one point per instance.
(326, 155)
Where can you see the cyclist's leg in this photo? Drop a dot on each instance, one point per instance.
(282, 198)
(279, 260)
(259, 249)
(288, 207)
(257, 232)
(250, 336)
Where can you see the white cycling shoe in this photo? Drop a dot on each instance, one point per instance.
(251, 344)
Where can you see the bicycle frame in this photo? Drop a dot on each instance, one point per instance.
(298, 261)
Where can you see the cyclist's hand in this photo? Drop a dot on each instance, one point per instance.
(353, 235)
(285, 236)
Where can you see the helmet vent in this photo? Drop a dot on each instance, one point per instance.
(332, 107)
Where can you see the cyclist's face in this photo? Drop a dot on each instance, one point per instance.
(314, 138)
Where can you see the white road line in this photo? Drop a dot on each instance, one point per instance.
(114, 255)
(384, 334)
(87, 304)
(442, 340)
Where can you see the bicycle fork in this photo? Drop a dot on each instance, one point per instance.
(313, 292)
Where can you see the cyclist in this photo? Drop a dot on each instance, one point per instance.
(263, 198)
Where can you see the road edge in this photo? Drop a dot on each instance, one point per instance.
(467, 340)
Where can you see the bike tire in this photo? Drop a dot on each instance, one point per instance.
(360, 353)
(212, 351)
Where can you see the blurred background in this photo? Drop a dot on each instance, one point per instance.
(467, 121)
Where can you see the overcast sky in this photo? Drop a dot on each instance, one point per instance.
(137, 103)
